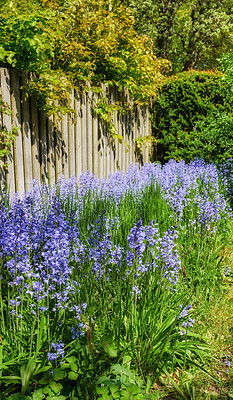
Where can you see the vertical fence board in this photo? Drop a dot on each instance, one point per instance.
(6, 121)
(26, 132)
(131, 135)
(107, 143)
(127, 140)
(58, 147)
(102, 141)
(95, 149)
(65, 142)
(2, 170)
(113, 99)
(116, 142)
(124, 123)
(78, 134)
(119, 144)
(51, 151)
(147, 132)
(43, 148)
(71, 133)
(16, 122)
(107, 169)
(84, 132)
(89, 130)
(142, 133)
(2, 159)
(35, 140)
(137, 132)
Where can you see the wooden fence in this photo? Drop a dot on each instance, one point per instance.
(46, 148)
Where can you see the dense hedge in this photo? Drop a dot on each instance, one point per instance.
(193, 117)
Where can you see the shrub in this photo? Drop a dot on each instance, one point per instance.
(190, 117)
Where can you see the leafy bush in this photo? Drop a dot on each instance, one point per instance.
(226, 64)
(191, 118)
(77, 40)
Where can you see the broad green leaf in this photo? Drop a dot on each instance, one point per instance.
(71, 359)
(74, 367)
(17, 396)
(56, 387)
(111, 350)
(58, 374)
(56, 397)
(38, 394)
(46, 378)
(126, 359)
(48, 390)
(73, 375)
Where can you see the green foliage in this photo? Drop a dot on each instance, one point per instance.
(6, 137)
(145, 140)
(215, 139)
(84, 40)
(190, 33)
(193, 117)
(123, 383)
(226, 64)
(105, 111)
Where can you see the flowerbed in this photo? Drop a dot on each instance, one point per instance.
(98, 280)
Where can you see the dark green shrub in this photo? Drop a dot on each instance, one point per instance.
(215, 139)
(190, 117)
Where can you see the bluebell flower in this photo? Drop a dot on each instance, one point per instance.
(58, 351)
(135, 290)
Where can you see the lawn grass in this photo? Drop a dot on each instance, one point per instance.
(215, 324)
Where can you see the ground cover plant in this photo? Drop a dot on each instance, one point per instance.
(100, 280)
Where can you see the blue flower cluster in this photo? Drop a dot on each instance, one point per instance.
(46, 258)
(57, 351)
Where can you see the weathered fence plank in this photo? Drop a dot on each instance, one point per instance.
(78, 135)
(43, 148)
(16, 122)
(71, 139)
(6, 121)
(89, 129)
(26, 132)
(95, 135)
(58, 147)
(65, 143)
(2, 168)
(35, 139)
(51, 154)
(84, 132)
